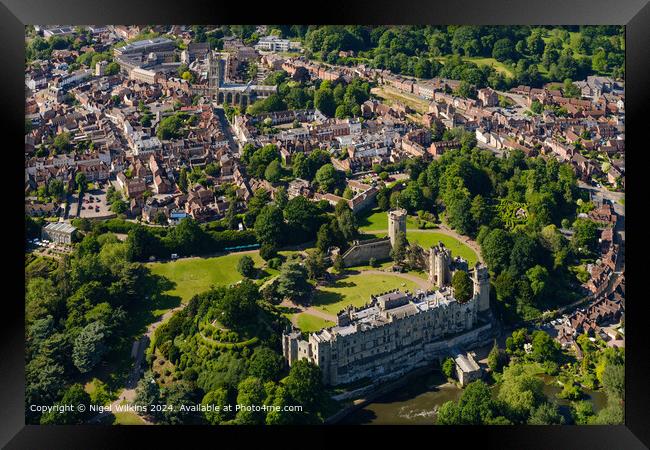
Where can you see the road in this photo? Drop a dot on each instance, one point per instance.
(225, 127)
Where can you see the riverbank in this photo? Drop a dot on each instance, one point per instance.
(380, 391)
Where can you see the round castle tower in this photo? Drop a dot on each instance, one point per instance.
(396, 224)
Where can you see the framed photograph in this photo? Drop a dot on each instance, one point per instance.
(381, 214)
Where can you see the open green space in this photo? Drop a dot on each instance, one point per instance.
(377, 220)
(356, 289)
(480, 61)
(309, 323)
(428, 239)
(191, 276)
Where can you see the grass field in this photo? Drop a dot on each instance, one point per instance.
(427, 239)
(194, 275)
(308, 323)
(356, 289)
(377, 220)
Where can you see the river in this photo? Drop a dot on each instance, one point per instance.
(417, 402)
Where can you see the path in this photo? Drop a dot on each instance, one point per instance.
(308, 309)
(128, 393)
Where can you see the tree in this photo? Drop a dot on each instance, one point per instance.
(480, 211)
(315, 264)
(448, 367)
(292, 281)
(265, 364)
(339, 265)
(520, 393)
(119, 206)
(304, 386)
(238, 304)
(246, 266)
(81, 182)
(273, 171)
(585, 236)
(170, 127)
(496, 358)
(538, 276)
(250, 395)
(89, 347)
(463, 286)
(546, 414)
(216, 400)
(496, 250)
(328, 178)
(74, 395)
(268, 225)
(475, 407)
(345, 219)
(41, 299)
(324, 101)
(503, 50)
(398, 252)
(544, 347)
(614, 381)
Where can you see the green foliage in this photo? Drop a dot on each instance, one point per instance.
(89, 347)
(448, 367)
(463, 286)
(246, 266)
(292, 281)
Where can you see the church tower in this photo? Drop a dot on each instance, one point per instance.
(481, 279)
(214, 74)
(396, 224)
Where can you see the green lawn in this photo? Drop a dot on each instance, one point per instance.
(308, 323)
(427, 239)
(356, 289)
(480, 61)
(194, 275)
(377, 220)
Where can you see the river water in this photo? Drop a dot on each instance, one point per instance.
(417, 402)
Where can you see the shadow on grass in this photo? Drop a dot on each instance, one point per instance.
(324, 298)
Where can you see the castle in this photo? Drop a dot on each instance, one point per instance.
(396, 331)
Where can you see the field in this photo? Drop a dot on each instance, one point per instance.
(356, 290)
(427, 239)
(480, 61)
(194, 275)
(378, 221)
(309, 323)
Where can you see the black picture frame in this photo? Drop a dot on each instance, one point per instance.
(635, 14)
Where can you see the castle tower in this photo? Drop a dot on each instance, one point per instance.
(440, 265)
(396, 224)
(481, 279)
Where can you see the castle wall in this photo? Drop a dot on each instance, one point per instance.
(361, 253)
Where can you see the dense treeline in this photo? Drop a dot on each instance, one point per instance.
(533, 54)
(338, 99)
(76, 317)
